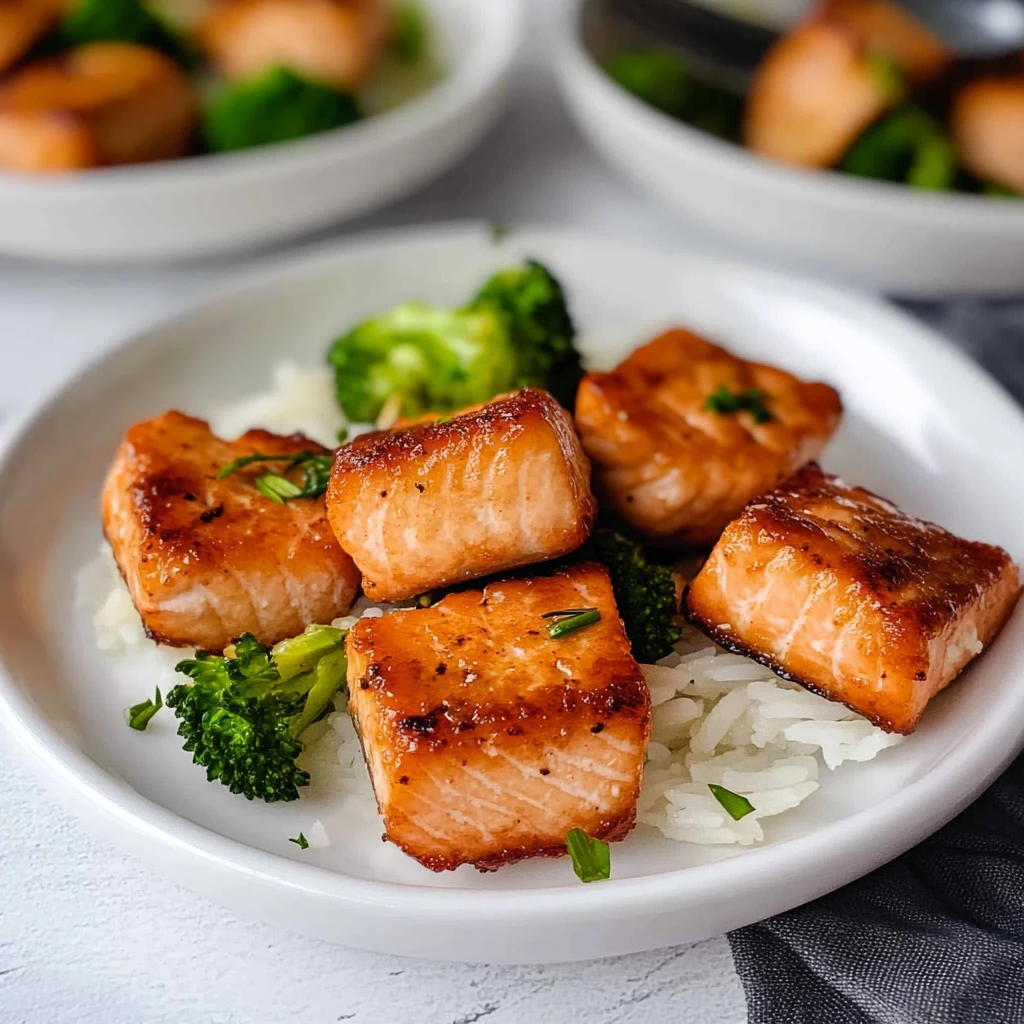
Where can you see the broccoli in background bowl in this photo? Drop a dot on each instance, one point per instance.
(276, 106)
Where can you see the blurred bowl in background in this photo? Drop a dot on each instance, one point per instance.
(902, 240)
(217, 204)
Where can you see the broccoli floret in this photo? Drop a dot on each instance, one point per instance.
(662, 79)
(658, 77)
(533, 307)
(242, 717)
(908, 146)
(124, 21)
(275, 106)
(517, 332)
(435, 359)
(644, 592)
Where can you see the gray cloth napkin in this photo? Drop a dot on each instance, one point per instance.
(937, 936)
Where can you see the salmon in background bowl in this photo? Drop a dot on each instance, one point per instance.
(229, 168)
(913, 241)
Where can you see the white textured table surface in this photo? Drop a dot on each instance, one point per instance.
(86, 935)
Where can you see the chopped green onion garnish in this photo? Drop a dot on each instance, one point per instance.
(737, 806)
(563, 627)
(138, 715)
(302, 842)
(725, 403)
(564, 613)
(248, 460)
(499, 232)
(276, 488)
(425, 600)
(342, 435)
(591, 858)
(316, 474)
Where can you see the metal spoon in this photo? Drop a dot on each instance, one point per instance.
(973, 28)
(725, 50)
(734, 47)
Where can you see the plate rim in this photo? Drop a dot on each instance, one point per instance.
(959, 777)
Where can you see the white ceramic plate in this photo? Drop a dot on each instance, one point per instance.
(210, 205)
(924, 426)
(902, 240)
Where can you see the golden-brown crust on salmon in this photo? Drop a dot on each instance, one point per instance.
(503, 485)
(835, 588)
(987, 125)
(487, 741)
(105, 103)
(205, 559)
(333, 41)
(672, 468)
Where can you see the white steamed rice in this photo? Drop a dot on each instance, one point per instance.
(718, 717)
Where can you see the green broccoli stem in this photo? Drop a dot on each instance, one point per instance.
(329, 678)
(302, 653)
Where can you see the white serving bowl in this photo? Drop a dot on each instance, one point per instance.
(899, 239)
(209, 205)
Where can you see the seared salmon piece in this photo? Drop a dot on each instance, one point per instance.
(498, 486)
(812, 95)
(487, 741)
(670, 456)
(987, 124)
(837, 589)
(22, 23)
(332, 41)
(205, 559)
(105, 103)
(824, 82)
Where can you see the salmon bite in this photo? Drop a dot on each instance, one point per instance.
(487, 735)
(683, 434)
(839, 590)
(495, 487)
(209, 557)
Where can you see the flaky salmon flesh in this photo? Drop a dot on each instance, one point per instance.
(837, 589)
(668, 455)
(502, 485)
(208, 559)
(487, 741)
